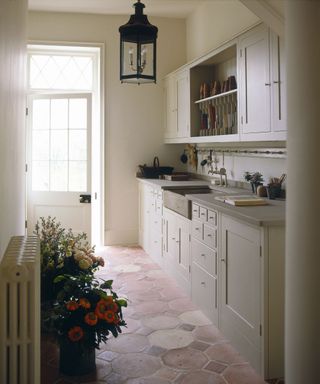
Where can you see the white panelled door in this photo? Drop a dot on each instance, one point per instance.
(59, 160)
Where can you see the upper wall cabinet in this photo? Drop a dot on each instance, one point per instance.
(262, 101)
(235, 93)
(177, 105)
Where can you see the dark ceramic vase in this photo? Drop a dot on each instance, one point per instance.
(76, 360)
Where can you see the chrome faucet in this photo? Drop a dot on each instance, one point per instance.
(222, 172)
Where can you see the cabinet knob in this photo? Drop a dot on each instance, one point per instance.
(197, 229)
(173, 238)
(203, 255)
(276, 82)
(209, 235)
(223, 260)
(267, 84)
(203, 283)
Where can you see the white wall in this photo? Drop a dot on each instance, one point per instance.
(12, 119)
(215, 22)
(133, 114)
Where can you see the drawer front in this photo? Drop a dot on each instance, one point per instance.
(204, 289)
(212, 217)
(197, 230)
(195, 211)
(205, 257)
(209, 236)
(203, 214)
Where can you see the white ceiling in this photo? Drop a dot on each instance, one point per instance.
(164, 8)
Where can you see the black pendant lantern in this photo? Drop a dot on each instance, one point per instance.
(138, 48)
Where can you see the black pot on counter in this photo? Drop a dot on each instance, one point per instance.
(155, 171)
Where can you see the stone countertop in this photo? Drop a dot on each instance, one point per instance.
(272, 214)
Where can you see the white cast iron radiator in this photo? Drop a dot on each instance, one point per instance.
(20, 312)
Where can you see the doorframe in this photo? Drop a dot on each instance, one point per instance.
(98, 94)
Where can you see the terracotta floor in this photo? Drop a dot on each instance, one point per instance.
(168, 340)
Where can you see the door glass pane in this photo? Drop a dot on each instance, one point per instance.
(59, 145)
(58, 176)
(40, 145)
(78, 145)
(59, 114)
(40, 175)
(78, 176)
(78, 113)
(41, 114)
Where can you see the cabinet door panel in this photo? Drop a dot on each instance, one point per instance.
(183, 261)
(278, 83)
(183, 104)
(255, 83)
(240, 285)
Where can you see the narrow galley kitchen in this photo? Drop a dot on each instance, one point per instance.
(167, 340)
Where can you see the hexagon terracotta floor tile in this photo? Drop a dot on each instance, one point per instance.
(168, 340)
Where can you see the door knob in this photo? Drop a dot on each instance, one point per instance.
(85, 199)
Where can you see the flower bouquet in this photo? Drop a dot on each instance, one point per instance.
(85, 314)
(62, 252)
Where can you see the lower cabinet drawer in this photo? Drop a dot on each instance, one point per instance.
(204, 291)
(210, 236)
(204, 256)
(197, 229)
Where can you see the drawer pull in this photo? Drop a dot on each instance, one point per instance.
(223, 260)
(173, 238)
(203, 254)
(197, 228)
(209, 235)
(203, 283)
(211, 217)
(203, 214)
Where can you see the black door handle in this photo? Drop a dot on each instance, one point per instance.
(85, 199)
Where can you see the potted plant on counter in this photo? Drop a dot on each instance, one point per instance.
(255, 180)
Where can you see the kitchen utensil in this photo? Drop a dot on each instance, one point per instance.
(282, 178)
(184, 157)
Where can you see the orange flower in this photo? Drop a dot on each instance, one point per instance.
(109, 316)
(113, 307)
(91, 318)
(85, 303)
(101, 308)
(75, 334)
(72, 305)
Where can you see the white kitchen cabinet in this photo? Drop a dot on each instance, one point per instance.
(150, 221)
(177, 102)
(255, 111)
(204, 272)
(170, 97)
(251, 293)
(261, 86)
(176, 247)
